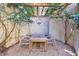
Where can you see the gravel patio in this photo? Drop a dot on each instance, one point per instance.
(57, 49)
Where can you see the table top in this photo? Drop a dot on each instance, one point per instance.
(38, 39)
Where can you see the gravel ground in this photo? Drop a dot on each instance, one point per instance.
(57, 49)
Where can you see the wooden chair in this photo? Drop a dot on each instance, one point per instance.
(24, 40)
(52, 41)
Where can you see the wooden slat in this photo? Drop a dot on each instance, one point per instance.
(38, 4)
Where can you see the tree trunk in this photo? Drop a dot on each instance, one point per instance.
(29, 30)
(10, 33)
(5, 31)
(2, 44)
(66, 31)
(71, 32)
(19, 32)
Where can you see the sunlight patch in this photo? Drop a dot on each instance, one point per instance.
(70, 52)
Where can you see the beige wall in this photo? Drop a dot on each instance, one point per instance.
(34, 27)
(57, 28)
(76, 42)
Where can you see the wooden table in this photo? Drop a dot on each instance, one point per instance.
(39, 40)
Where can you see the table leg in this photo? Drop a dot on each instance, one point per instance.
(30, 46)
(46, 46)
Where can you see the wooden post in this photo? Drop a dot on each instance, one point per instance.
(66, 31)
(29, 30)
(66, 4)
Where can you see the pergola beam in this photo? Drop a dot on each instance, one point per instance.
(38, 4)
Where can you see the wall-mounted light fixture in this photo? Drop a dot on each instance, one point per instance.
(38, 21)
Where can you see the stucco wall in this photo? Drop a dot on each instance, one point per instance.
(76, 42)
(42, 28)
(57, 28)
(35, 28)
